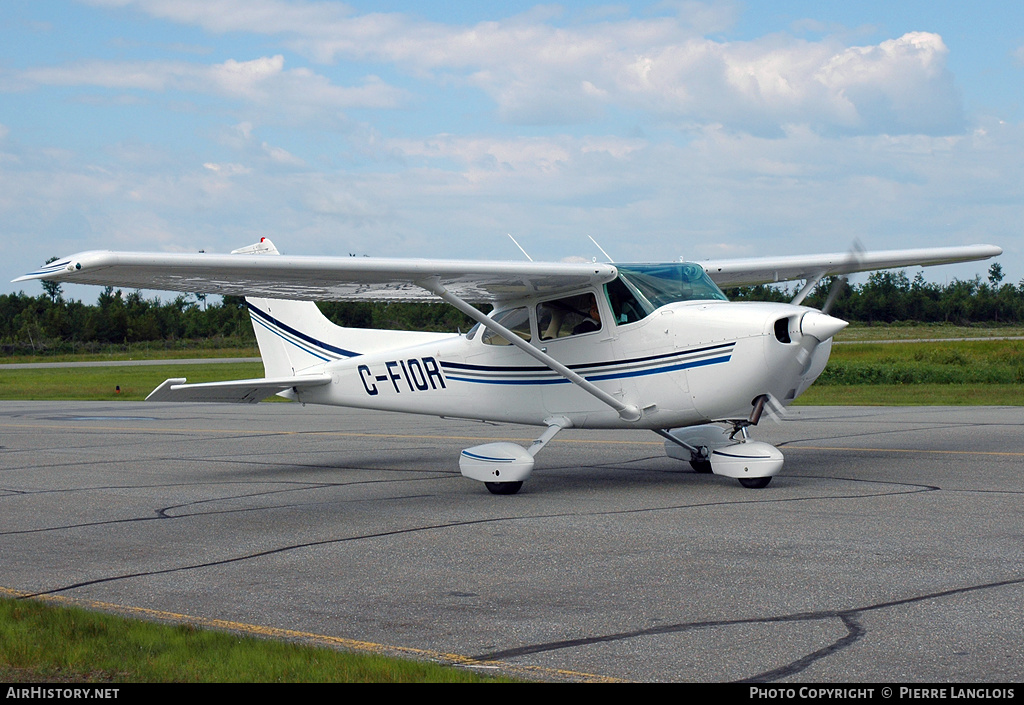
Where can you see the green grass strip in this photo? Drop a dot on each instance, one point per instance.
(984, 372)
(913, 395)
(46, 643)
(101, 383)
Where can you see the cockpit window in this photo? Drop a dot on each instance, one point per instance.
(625, 306)
(643, 288)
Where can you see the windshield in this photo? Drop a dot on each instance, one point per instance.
(643, 288)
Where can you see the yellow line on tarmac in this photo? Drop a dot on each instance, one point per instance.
(344, 434)
(320, 640)
(909, 450)
(443, 437)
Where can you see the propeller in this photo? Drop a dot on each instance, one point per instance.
(810, 329)
(816, 327)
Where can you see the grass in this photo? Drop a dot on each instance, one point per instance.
(138, 351)
(912, 330)
(913, 395)
(101, 383)
(45, 643)
(954, 363)
(957, 373)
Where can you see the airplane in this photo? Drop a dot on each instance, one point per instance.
(591, 345)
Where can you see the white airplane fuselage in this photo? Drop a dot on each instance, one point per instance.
(687, 363)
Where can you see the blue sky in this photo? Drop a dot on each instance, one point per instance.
(667, 129)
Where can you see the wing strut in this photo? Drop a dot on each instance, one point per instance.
(627, 412)
(808, 287)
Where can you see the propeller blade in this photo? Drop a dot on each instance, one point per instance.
(853, 259)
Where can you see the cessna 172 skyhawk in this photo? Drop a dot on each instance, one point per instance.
(567, 345)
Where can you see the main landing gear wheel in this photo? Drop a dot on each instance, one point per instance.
(503, 487)
(755, 483)
(701, 466)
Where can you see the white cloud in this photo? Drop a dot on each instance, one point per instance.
(901, 83)
(769, 145)
(227, 169)
(263, 82)
(281, 156)
(538, 72)
(239, 15)
(456, 196)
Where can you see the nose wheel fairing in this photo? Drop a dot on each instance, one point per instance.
(746, 461)
(712, 447)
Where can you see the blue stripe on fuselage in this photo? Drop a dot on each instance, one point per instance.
(598, 378)
(298, 334)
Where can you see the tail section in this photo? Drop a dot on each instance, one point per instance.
(295, 338)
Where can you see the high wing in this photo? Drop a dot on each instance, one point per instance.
(305, 278)
(767, 270)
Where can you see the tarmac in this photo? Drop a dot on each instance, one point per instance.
(889, 550)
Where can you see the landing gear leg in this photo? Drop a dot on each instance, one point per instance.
(710, 448)
(700, 456)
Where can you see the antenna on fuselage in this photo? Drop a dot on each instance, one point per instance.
(520, 247)
(610, 260)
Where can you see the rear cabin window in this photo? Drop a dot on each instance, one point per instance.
(572, 315)
(516, 320)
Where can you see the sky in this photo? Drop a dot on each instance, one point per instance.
(436, 129)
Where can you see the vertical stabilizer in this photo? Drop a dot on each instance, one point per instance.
(293, 335)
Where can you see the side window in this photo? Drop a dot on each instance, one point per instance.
(572, 315)
(516, 320)
(625, 306)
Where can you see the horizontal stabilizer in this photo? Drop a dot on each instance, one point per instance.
(240, 391)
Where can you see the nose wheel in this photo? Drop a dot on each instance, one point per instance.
(503, 487)
(755, 483)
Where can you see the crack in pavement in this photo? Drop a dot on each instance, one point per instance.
(849, 617)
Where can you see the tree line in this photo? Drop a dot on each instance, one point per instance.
(891, 296)
(49, 323)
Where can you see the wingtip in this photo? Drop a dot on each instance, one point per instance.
(29, 277)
